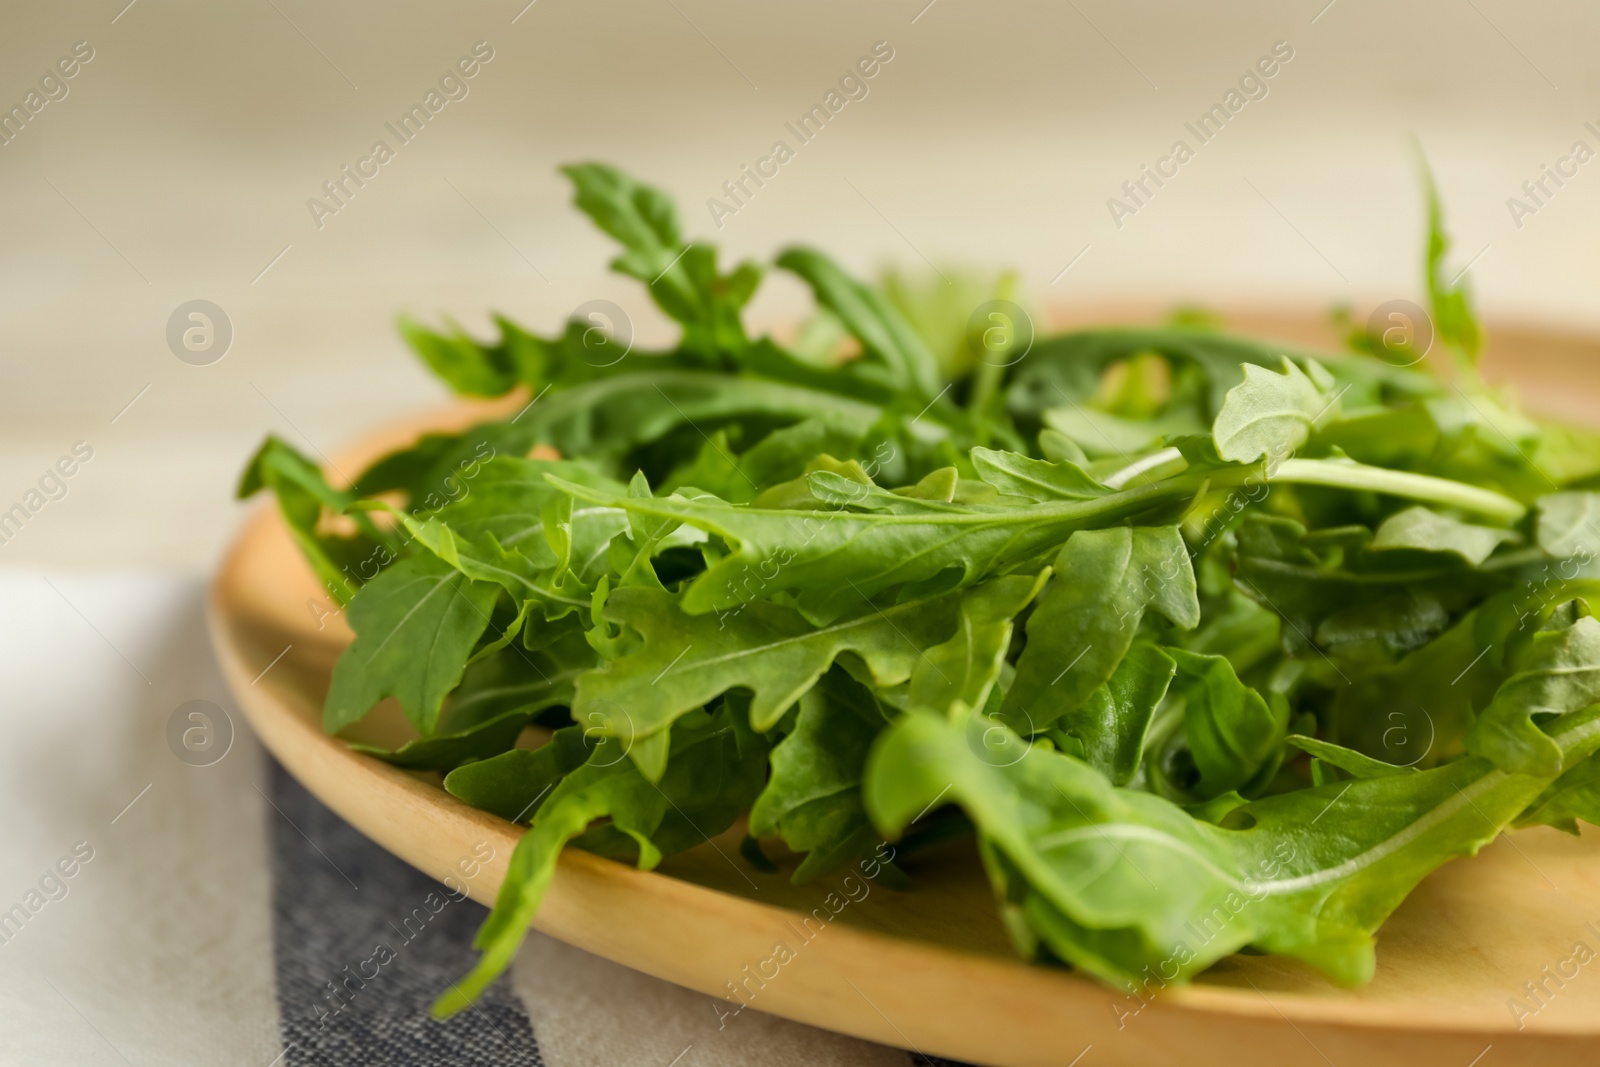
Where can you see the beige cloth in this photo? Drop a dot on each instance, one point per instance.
(160, 951)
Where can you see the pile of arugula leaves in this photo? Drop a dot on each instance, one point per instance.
(1209, 645)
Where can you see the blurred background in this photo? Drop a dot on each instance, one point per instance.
(179, 163)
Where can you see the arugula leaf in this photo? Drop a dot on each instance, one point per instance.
(415, 624)
(466, 366)
(513, 678)
(446, 751)
(510, 500)
(885, 337)
(683, 279)
(1428, 531)
(665, 410)
(782, 455)
(514, 783)
(965, 668)
(485, 560)
(1105, 581)
(813, 799)
(772, 651)
(1271, 415)
(1352, 602)
(304, 496)
(1103, 435)
(1170, 891)
(1555, 673)
(1474, 437)
(715, 772)
(1449, 303)
(836, 558)
(1568, 524)
(432, 471)
(1573, 796)
(1233, 734)
(1111, 725)
(1033, 479)
(1346, 759)
(1416, 711)
(1069, 369)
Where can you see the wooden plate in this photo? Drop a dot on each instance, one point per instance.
(1496, 956)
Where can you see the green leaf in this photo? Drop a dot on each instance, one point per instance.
(466, 366)
(715, 773)
(1104, 583)
(1232, 624)
(412, 469)
(416, 624)
(1113, 722)
(486, 561)
(1573, 796)
(516, 678)
(683, 280)
(642, 218)
(782, 455)
(1271, 415)
(1058, 447)
(605, 421)
(304, 496)
(1067, 370)
(853, 378)
(966, 667)
(1428, 531)
(1567, 523)
(1471, 436)
(1555, 673)
(1346, 759)
(446, 751)
(834, 557)
(1366, 606)
(513, 784)
(1116, 881)
(1233, 735)
(688, 660)
(1104, 435)
(813, 800)
(884, 335)
(1416, 711)
(1450, 303)
(510, 500)
(1034, 479)
(645, 533)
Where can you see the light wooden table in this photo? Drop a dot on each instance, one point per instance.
(179, 164)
